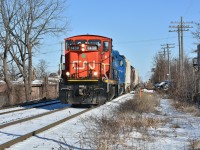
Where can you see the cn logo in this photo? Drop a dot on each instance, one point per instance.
(84, 65)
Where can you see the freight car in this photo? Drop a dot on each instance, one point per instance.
(93, 72)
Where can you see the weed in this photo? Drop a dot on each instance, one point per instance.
(144, 104)
(185, 107)
(194, 144)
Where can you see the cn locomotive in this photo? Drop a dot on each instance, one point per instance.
(94, 73)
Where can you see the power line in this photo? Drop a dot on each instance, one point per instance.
(141, 41)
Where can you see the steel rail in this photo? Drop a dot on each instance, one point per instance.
(33, 133)
(30, 118)
(29, 103)
(7, 112)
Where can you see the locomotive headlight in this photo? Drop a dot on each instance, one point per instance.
(83, 47)
(67, 73)
(95, 73)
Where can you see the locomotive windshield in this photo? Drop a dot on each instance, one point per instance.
(80, 42)
(72, 47)
(94, 42)
(91, 45)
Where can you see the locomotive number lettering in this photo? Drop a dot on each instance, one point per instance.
(85, 64)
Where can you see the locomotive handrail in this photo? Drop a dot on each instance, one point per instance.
(105, 70)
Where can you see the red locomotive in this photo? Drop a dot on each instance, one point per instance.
(93, 73)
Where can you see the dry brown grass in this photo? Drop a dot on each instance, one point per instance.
(175, 126)
(185, 107)
(197, 114)
(114, 131)
(195, 144)
(142, 122)
(144, 104)
(105, 132)
(138, 121)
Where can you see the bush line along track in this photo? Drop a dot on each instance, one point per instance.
(29, 108)
(32, 133)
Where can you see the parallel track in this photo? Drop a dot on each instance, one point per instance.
(32, 133)
(29, 108)
(30, 118)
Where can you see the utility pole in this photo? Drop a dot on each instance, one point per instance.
(181, 27)
(168, 46)
(164, 51)
(163, 54)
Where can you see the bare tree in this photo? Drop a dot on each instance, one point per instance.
(183, 87)
(25, 22)
(42, 69)
(6, 40)
(13, 72)
(196, 33)
(159, 72)
(1, 67)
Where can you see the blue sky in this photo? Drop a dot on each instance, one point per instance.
(138, 28)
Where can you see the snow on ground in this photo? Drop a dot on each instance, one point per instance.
(10, 117)
(11, 109)
(175, 134)
(14, 131)
(2, 82)
(26, 106)
(69, 130)
(148, 91)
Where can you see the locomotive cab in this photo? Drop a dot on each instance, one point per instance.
(87, 76)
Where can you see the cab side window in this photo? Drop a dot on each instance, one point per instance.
(68, 43)
(105, 46)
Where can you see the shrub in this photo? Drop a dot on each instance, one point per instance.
(144, 104)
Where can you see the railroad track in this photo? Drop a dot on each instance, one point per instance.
(12, 133)
(19, 116)
(29, 103)
(16, 109)
(30, 118)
